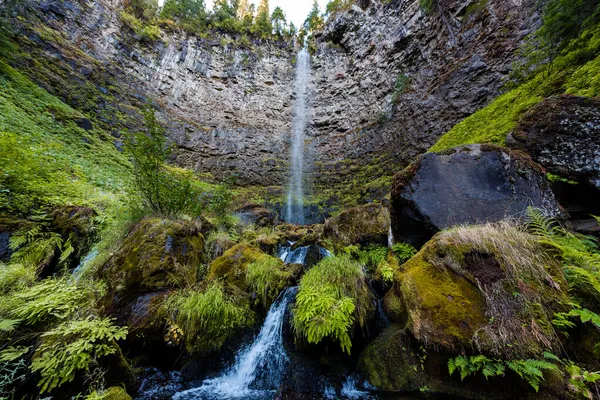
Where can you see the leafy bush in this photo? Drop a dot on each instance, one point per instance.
(530, 370)
(73, 346)
(403, 252)
(267, 277)
(332, 297)
(208, 317)
(163, 190)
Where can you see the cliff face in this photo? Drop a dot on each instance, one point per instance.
(387, 81)
(392, 78)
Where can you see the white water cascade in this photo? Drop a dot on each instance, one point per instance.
(295, 195)
(258, 368)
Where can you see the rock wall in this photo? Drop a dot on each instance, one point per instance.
(387, 81)
(391, 79)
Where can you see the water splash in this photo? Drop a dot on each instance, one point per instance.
(258, 368)
(350, 390)
(295, 196)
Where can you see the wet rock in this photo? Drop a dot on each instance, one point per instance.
(360, 225)
(257, 215)
(563, 135)
(466, 185)
(84, 123)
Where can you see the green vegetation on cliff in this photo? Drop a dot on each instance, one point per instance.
(575, 70)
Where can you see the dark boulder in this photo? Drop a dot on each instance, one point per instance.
(84, 123)
(466, 185)
(563, 135)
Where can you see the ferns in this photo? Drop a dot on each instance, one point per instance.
(332, 296)
(208, 318)
(36, 248)
(403, 251)
(529, 370)
(267, 277)
(73, 346)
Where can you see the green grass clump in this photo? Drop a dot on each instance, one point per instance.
(331, 298)
(208, 317)
(15, 277)
(575, 72)
(267, 277)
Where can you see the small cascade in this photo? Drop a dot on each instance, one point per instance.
(350, 390)
(293, 256)
(295, 195)
(258, 368)
(76, 274)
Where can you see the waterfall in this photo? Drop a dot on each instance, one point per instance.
(258, 368)
(295, 195)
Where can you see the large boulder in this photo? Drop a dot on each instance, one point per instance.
(157, 254)
(563, 135)
(489, 287)
(466, 185)
(359, 225)
(256, 215)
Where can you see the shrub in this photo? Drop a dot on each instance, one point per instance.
(403, 252)
(73, 346)
(208, 317)
(164, 191)
(332, 297)
(267, 277)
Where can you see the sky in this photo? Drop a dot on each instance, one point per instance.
(295, 10)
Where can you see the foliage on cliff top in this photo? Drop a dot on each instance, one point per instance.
(332, 297)
(575, 71)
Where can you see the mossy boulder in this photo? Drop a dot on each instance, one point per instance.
(562, 133)
(232, 265)
(114, 393)
(390, 363)
(368, 224)
(256, 215)
(156, 254)
(466, 185)
(396, 362)
(478, 287)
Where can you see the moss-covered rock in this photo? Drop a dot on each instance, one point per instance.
(390, 363)
(360, 225)
(232, 265)
(155, 255)
(114, 393)
(478, 287)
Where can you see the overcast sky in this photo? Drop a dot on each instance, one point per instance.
(295, 10)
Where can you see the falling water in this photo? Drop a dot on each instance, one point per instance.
(295, 197)
(258, 368)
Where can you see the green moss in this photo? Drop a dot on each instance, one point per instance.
(389, 363)
(359, 225)
(576, 72)
(112, 393)
(156, 254)
(443, 308)
(232, 265)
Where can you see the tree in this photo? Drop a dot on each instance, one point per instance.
(146, 10)
(278, 21)
(292, 31)
(190, 12)
(162, 190)
(314, 20)
(263, 23)
(242, 10)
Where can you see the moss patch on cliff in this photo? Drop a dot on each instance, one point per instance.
(233, 264)
(575, 72)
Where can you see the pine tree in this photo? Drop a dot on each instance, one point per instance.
(242, 10)
(314, 20)
(278, 21)
(263, 23)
